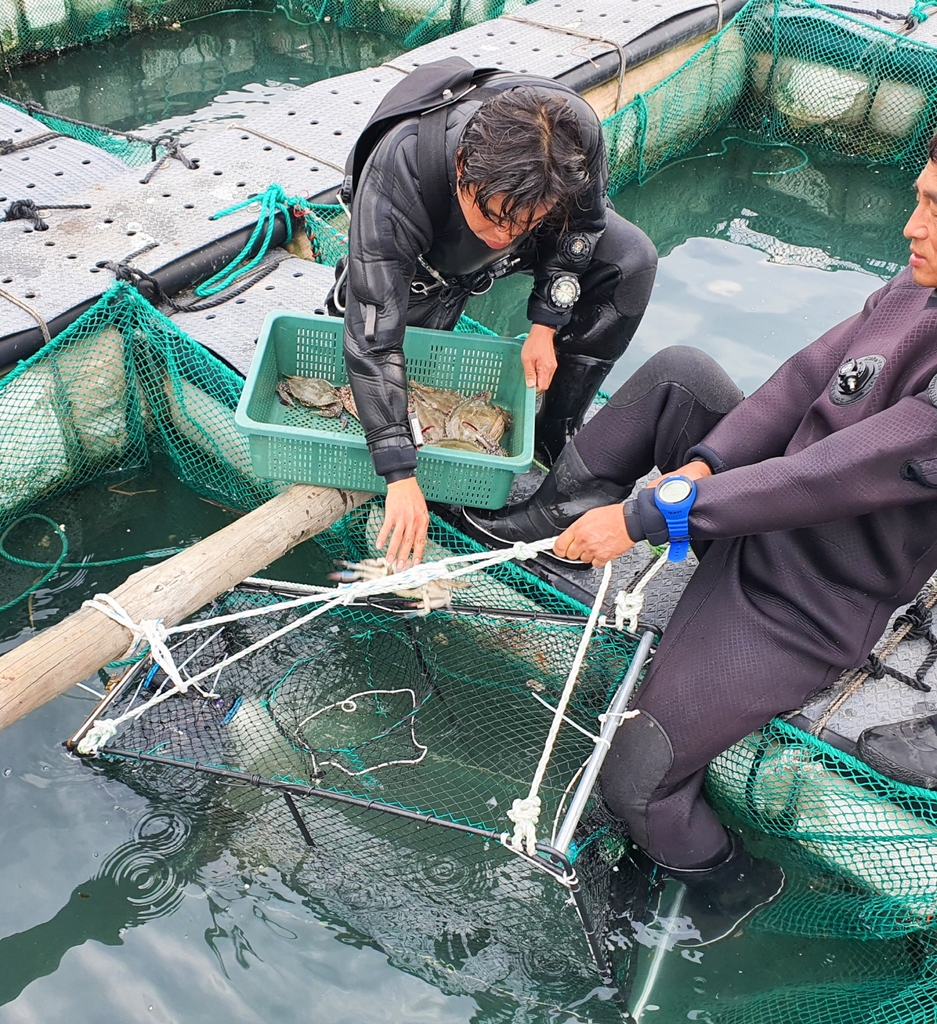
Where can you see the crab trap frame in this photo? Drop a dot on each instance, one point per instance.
(373, 721)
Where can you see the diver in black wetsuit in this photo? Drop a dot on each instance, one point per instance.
(815, 517)
(527, 176)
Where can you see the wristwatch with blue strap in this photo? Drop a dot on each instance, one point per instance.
(674, 496)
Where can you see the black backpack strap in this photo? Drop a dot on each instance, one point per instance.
(433, 167)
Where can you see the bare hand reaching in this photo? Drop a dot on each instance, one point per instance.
(406, 520)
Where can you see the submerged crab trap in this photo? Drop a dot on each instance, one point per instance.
(377, 723)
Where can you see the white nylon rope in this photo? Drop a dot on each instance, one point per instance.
(630, 605)
(525, 812)
(153, 632)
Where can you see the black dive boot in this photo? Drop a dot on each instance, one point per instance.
(720, 898)
(575, 385)
(906, 751)
(566, 492)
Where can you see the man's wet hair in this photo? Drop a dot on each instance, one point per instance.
(528, 148)
(932, 148)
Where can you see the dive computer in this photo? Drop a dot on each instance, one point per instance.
(674, 496)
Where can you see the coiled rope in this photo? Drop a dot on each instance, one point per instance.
(51, 568)
(272, 202)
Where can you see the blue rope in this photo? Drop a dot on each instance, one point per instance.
(273, 201)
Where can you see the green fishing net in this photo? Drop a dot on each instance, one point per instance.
(789, 71)
(860, 851)
(42, 28)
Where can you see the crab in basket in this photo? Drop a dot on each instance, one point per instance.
(431, 595)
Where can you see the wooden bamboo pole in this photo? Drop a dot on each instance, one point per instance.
(67, 653)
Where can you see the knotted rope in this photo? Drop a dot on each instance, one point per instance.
(273, 201)
(630, 604)
(172, 150)
(525, 811)
(28, 209)
(906, 626)
(155, 634)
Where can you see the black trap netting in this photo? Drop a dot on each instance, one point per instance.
(382, 749)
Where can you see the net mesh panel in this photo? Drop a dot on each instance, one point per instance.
(789, 71)
(132, 151)
(316, 715)
(859, 850)
(42, 28)
(451, 908)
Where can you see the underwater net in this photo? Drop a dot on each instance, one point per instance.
(43, 28)
(285, 759)
(791, 72)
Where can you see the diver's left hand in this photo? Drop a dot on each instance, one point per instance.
(538, 357)
(597, 536)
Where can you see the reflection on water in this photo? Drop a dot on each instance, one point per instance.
(167, 76)
(753, 265)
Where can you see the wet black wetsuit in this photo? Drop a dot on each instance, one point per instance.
(820, 520)
(389, 287)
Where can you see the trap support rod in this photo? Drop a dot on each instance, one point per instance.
(618, 705)
(67, 653)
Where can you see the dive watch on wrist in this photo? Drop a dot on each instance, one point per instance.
(674, 496)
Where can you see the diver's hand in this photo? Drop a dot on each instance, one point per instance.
(597, 536)
(538, 357)
(406, 520)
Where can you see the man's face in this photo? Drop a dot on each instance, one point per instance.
(495, 232)
(921, 229)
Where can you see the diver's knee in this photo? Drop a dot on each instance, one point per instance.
(639, 761)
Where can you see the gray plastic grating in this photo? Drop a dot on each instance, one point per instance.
(621, 21)
(231, 329)
(17, 126)
(878, 701)
(54, 170)
(324, 119)
(511, 46)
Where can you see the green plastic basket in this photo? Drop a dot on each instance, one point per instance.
(297, 445)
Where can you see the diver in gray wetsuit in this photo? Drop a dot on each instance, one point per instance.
(815, 517)
(525, 177)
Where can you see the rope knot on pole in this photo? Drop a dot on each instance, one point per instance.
(525, 813)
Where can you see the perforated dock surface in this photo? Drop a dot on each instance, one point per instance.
(231, 329)
(878, 701)
(300, 141)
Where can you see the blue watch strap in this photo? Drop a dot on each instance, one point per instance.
(674, 497)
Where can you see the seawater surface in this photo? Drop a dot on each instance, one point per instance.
(115, 909)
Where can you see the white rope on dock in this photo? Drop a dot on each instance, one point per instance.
(34, 313)
(630, 604)
(588, 37)
(285, 145)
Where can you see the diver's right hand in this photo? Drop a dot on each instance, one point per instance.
(406, 521)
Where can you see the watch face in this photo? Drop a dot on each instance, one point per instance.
(674, 490)
(564, 291)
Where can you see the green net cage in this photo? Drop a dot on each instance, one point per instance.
(43, 28)
(793, 72)
(383, 745)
